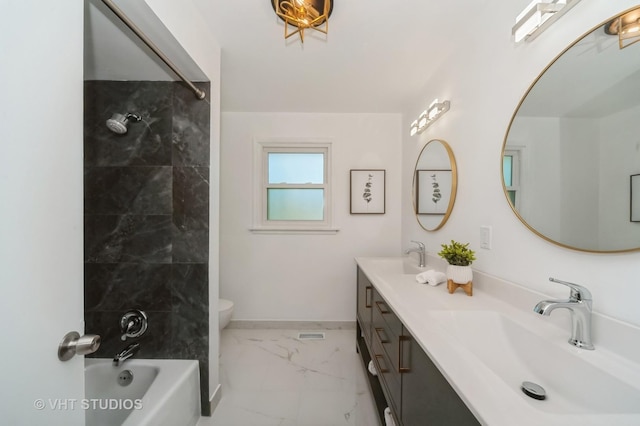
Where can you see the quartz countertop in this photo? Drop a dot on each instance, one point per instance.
(495, 398)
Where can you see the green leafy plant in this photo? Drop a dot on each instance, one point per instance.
(457, 254)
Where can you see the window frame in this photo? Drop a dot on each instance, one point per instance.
(516, 169)
(261, 224)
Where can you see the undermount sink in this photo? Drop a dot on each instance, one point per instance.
(515, 354)
(399, 265)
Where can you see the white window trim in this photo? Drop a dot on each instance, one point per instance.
(260, 223)
(516, 169)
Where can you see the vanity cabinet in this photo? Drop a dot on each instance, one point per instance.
(427, 397)
(364, 302)
(407, 381)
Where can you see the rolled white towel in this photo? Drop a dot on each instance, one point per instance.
(388, 418)
(372, 368)
(431, 277)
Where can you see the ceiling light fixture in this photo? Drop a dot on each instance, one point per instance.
(428, 116)
(303, 15)
(539, 15)
(626, 27)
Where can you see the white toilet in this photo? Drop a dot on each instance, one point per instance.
(225, 309)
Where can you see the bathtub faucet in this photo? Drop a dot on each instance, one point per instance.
(126, 353)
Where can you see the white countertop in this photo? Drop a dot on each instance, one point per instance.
(496, 399)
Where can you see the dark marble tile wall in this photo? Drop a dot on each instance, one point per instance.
(146, 226)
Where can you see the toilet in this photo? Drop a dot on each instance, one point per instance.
(225, 309)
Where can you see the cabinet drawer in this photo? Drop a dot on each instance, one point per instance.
(385, 334)
(381, 307)
(364, 304)
(389, 377)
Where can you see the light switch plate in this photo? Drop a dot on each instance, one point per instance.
(485, 237)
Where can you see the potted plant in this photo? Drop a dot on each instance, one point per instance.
(459, 273)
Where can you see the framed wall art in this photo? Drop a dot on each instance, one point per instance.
(367, 191)
(433, 191)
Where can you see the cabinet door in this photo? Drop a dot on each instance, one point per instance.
(427, 397)
(364, 303)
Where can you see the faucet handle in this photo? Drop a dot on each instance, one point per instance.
(419, 243)
(578, 292)
(133, 324)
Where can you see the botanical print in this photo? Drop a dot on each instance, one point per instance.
(436, 196)
(367, 191)
(433, 191)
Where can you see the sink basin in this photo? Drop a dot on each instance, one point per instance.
(398, 265)
(515, 354)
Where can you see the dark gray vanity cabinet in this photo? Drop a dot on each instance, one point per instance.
(407, 381)
(364, 298)
(386, 330)
(427, 397)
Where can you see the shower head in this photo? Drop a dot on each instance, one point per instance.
(118, 122)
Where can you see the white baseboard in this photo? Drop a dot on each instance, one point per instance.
(215, 398)
(293, 325)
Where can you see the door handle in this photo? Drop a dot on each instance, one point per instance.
(74, 344)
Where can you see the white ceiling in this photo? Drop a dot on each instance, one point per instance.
(377, 54)
(377, 57)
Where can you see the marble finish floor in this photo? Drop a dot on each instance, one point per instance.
(270, 377)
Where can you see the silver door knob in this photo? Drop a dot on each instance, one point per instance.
(74, 344)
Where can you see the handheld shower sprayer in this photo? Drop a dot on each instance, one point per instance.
(118, 122)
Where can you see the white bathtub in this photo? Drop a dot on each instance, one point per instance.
(161, 393)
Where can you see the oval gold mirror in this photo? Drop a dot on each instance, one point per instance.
(572, 146)
(435, 182)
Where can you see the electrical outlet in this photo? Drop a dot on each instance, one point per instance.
(485, 237)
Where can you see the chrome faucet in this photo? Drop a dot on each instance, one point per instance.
(125, 354)
(420, 250)
(580, 306)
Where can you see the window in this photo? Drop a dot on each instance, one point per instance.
(292, 189)
(511, 175)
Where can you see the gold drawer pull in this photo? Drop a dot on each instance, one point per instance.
(401, 356)
(367, 296)
(378, 330)
(380, 368)
(382, 311)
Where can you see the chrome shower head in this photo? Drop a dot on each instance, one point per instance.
(118, 122)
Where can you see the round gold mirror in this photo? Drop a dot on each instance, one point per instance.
(572, 147)
(435, 182)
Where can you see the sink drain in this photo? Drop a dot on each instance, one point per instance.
(125, 377)
(533, 390)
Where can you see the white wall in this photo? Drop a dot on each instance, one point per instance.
(620, 130)
(305, 277)
(485, 80)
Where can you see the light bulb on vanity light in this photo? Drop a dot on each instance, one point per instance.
(414, 128)
(537, 16)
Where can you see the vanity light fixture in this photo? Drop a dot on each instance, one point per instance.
(537, 16)
(303, 15)
(428, 116)
(414, 128)
(626, 27)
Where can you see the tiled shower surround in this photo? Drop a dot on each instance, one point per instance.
(146, 219)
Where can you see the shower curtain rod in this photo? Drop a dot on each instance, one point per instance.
(200, 94)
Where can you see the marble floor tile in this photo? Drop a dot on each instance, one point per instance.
(270, 377)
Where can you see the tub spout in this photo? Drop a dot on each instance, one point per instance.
(125, 354)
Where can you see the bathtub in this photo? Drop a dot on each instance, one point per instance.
(159, 392)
